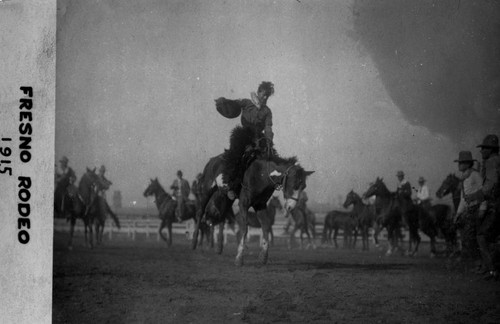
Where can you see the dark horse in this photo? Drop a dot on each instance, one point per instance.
(362, 214)
(263, 218)
(81, 204)
(450, 185)
(416, 217)
(335, 220)
(390, 214)
(166, 208)
(260, 179)
(214, 207)
(102, 209)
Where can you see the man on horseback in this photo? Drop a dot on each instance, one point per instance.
(256, 118)
(63, 177)
(423, 197)
(404, 187)
(181, 191)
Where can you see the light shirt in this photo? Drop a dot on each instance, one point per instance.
(471, 183)
(423, 193)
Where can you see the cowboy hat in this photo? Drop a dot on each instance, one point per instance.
(227, 108)
(465, 156)
(490, 141)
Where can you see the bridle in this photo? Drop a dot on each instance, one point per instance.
(281, 185)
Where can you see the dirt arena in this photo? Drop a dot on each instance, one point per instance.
(143, 281)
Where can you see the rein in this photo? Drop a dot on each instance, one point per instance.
(282, 184)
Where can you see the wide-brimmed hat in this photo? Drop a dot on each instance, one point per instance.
(421, 179)
(227, 108)
(64, 159)
(490, 141)
(465, 156)
(400, 174)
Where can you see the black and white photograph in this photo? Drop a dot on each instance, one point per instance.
(290, 161)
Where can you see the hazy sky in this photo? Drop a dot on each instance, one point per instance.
(363, 88)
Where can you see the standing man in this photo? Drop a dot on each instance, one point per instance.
(468, 210)
(488, 221)
(181, 191)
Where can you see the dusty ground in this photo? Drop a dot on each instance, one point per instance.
(127, 281)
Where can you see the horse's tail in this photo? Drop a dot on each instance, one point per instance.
(113, 216)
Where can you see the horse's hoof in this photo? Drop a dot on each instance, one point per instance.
(238, 262)
(263, 258)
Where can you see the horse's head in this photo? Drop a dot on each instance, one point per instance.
(449, 185)
(88, 185)
(376, 188)
(294, 182)
(153, 188)
(351, 198)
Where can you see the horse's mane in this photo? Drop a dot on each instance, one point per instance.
(162, 190)
(384, 187)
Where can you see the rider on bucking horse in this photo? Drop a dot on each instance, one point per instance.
(257, 122)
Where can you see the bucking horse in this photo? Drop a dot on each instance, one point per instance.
(261, 176)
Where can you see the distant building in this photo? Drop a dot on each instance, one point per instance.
(117, 199)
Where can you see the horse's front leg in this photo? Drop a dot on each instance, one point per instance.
(197, 223)
(265, 245)
(243, 230)
(220, 238)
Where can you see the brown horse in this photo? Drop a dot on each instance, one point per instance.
(214, 207)
(390, 214)
(166, 208)
(101, 215)
(81, 203)
(363, 215)
(261, 178)
(336, 220)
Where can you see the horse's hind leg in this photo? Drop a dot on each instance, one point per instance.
(335, 232)
(71, 232)
(169, 241)
(162, 226)
(433, 246)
